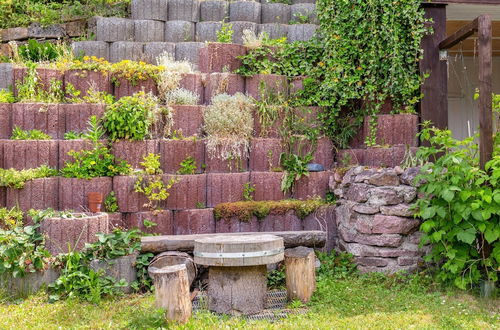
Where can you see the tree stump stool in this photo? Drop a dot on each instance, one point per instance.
(237, 282)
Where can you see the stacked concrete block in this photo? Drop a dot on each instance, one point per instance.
(99, 49)
(187, 192)
(66, 146)
(149, 31)
(215, 11)
(301, 32)
(76, 116)
(306, 10)
(112, 29)
(46, 77)
(163, 220)
(126, 50)
(294, 2)
(188, 119)
(184, 10)
(24, 154)
(274, 30)
(179, 31)
(188, 51)
(248, 11)
(174, 152)
(152, 50)
(150, 9)
(228, 83)
(43, 117)
(84, 80)
(219, 57)
(73, 193)
(276, 13)
(133, 152)
(6, 76)
(267, 186)
(199, 221)
(38, 194)
(239, 27)
(5, 120)
(207, 31)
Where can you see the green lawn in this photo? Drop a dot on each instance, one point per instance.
(360, 302)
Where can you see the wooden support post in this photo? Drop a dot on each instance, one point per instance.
(434, 104)
(300, 273)
(172, 292)
(485, 90)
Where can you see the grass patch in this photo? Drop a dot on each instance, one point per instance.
(369, 301)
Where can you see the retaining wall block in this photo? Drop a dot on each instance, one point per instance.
(112, 29)
(83, 80)
(2, 155)
(17, 33)
(265, 154)
(398, 129)
(37, 194)
(294, 2)
(99, 49)
(128, 200)
(192, 222)
(215, 164)
(324, 219)
(5, 120)
(126, 50)
(301, 32)
(286, 222)
(67, 145)
(296, 84)
(272, 131)
(188, 51)
(324, 153)
(184, 10)
(55, 31)
(44, 117)
(152, 50)
(188, 192)
(225, 187)
(188, 119)
(149, 31)
(218, 83)
(127, 88)
(314, 185)
(194, 83)
(219, 57)
(239, 26)
(73, 192)
(179, 31)
(346, 157)
(76, 116)
(173, 152)
(207, 31)
(304, 10)
(46, 76)
(274, 30)
(150, 9)
(386, 157)
(235, 225)
(6, 76)
(3, 196)
(23, 154)
(276, 13)
(133, 152)
(267, 186)
(116, 220)
(273, 83)
(214, 11)
(247, 11)
(162, 218)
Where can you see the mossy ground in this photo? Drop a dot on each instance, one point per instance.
(359, 302)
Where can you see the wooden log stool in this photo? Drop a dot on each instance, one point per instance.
(172, 291)
(237, 282)
(300, 272)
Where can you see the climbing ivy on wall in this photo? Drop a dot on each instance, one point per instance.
(372, 50)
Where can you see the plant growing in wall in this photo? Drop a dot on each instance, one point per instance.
(34, 134)
(187, 166)
(150, 182)
(16, 179)
(225, 34)
(460, 208)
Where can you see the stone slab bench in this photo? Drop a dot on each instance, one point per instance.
(291, 239)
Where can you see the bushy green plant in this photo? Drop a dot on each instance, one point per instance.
(35, 51)
(188, 166)
(225, 34)
(22, 251)
(276, 279)
(111, 203)
(181, 96)
(34, 134)
(6, 96)
(248, 190)
(132, 117)
(460, 208)
(16, 179)
(338, 265)
(11, 218)
(72, 135)
(115, 245)
(31, 89)
(229, 126)
(144, 282)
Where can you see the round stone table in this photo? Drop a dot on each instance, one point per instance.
(237, 281)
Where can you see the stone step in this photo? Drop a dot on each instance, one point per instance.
(205, 190)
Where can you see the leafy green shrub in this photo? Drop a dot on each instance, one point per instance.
(276, 279)
(72, 135)
(6, 96)
(11, 218)
(32, 90)
(111, 203)
(229, 126)
(133, 117)
(338, 265)
(225, 34)
(16, 179)
(35, 51)
(34, 134)
(188, 166)
(22, 251)
(115, 245)
(460, 208)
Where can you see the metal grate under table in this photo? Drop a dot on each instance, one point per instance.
(275, 307)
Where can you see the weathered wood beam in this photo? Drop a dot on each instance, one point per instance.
(434, 104)
(460, 35)
(157, 244)
(485, 90)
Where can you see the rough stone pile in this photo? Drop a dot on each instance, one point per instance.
(375, 220)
